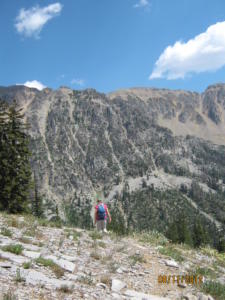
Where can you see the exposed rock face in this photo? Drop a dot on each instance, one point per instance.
(85, 141)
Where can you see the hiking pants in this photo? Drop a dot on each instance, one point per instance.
(101, 225)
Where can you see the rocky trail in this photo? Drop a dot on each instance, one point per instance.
(39, 262)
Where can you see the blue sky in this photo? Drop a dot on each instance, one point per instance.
(112, 44)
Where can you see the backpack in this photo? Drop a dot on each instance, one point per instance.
(101, 212)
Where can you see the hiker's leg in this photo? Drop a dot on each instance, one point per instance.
(105, 223)
(99, 225)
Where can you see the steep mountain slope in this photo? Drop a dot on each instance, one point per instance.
(42, 262)
(133, 145)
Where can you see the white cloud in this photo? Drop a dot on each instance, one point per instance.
(33, 84)
(30, 22)
(142, 3)
(80, 82)
(205, 52)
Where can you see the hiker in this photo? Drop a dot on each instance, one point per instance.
(101, 215)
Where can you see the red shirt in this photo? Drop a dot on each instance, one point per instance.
(105, 207)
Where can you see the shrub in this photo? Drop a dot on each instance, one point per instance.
(13, 248)
(6, 232)
(31, 231)
(59, 272)
(65, 289)
(95, 255)
(172, 252)
(27, 265)
(137, 258)
(95, 235)
(106, 279)
(86, 279)
(205, 272)
(18, 277)
(215, 289)
(152, 237)
(101, 244)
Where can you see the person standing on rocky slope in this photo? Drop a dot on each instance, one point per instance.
(101, 215)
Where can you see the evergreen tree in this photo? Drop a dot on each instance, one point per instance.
(15, 172)
(172, 233)
(178, 231)
(199, 236)
(37, 203)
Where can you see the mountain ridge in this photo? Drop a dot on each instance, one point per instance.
(85, 142)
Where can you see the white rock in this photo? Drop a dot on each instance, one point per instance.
(116, 296)
(117, 285)
(4, 241)
(190, 297)
(141, 296)
(69, 258)
(205, 297)
(171, 263)
(37, 278)
(100, 284)
(31, 247)
(31, 254)
(119, 270)
(13, 257)
(182, 284)
(5, 264)
(72, 277)
(65, 264)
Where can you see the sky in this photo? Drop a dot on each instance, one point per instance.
(112, 44)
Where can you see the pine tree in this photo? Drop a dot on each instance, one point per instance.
(37, 203)
(172, 233)
(199, 236)
(178, 231)
(3, 152)
(15, 171)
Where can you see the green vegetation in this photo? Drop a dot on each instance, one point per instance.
(137, 258)
(101, 244)
(86, 279)
(15, 171)
(172, 252)
(75, 234)
(59, 272)
(27, 265)
(9, 296)
(95, 235)
(216, 289)
(6, 232)
(13, 248)
(37, 203)
(78, 215)
(151, 237)
(207, 272)
(18, 277)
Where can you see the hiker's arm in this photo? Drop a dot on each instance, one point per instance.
(110, 219)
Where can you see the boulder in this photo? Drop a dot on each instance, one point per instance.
(117, 285)
(141, 296)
